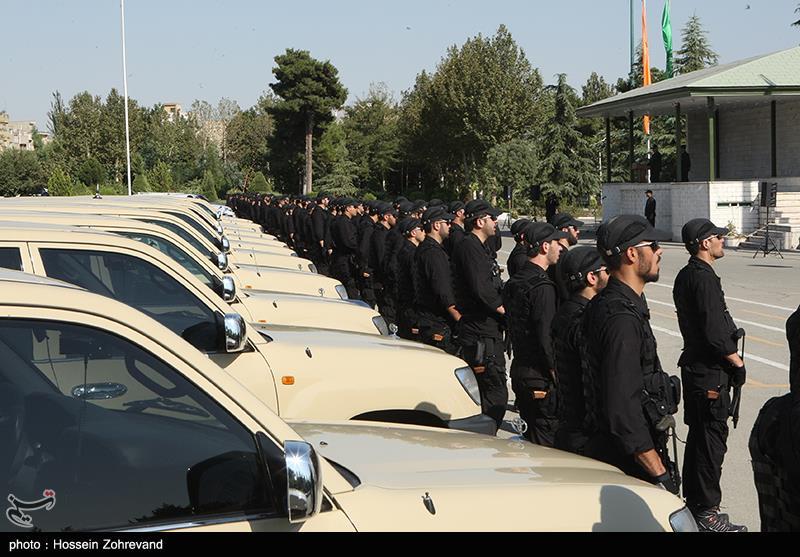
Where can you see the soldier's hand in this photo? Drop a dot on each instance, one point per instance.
(738, 376)
(665, 482)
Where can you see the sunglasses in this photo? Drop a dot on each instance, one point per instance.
(652, 245)
(599, 271)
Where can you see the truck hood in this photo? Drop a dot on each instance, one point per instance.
(274, 308)
(268, 279)
(412, 479)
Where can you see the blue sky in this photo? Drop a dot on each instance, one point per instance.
(181, 50)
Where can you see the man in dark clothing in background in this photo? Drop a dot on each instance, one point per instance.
(655, 165)
(531, 300)
(457, 232)
(650, 208)
(686, 164)
(345, 251)
(434, 297)
(585, 274)
(407, 321)
(478, 288)
(519, 255)
(386, 225)
(319, 217)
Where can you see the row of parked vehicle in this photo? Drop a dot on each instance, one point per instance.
(153, 350)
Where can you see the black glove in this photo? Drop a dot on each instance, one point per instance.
(665, 481)
(738, 376)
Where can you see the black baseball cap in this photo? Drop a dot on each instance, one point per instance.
(519, 226)
(436, 214)
(420, 204)
(564, 220)
(480, 207)
(697, 230)
(409, 224)
(436, 202)
(538, 233)
(456, 206)
(625, 231)
(406, 207)
(579, 262)
(385, 209)
(349, 202)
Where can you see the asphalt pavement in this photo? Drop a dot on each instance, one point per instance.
(761, 294)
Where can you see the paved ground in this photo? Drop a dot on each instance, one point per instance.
(761, 295)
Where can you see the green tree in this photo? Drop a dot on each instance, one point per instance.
(20, 173)
(141, 184)
(482, 94)
(259, 183)
(59, 183)
(371, 128)
(91, 173)
(249, 133)
(309, 92)
(514, 164)
(596, 89)
(695, 53)
(209, 185)
(568, 166)
(160, 176)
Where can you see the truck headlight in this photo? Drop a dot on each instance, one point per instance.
(380, 324)
(683, 521)
(466, 377)
(342, 292)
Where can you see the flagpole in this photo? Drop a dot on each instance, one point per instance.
(630, 68)
(125, 87)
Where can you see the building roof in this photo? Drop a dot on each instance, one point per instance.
(776, 74)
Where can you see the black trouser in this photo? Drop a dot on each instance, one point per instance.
(537, 402)
(490, 371)
(319, 255)
(386, 305)
(343, 270)
(706, 443)
(435, 331)
(365, 284)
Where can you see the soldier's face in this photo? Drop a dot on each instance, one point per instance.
(554, 252)
(715, 246)
(489, 225)
(649, 261)
(443, 228)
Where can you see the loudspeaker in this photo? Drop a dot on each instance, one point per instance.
(769, 194)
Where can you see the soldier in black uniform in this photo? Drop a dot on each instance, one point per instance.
(345, 251)
(387, 221)
(407, 321)
(365, 228)
(519, 255)
(319, 217)
(710, 367)
(585, 274)
(775, 448)
(630, 401)
(531, 300)
(457, 232)
(478, 288)
(434, 298)
(566, 223)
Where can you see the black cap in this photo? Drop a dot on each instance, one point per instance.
(564, 220)
(455, 206)
(436, 203)
(385, 209)
(538, 233)
(625, 231)
(436, 214)
(519, 226)
(697, 230)
(579, 262)
(420, 204)
(407, 225)
(400, 200)
(406, 207)
(481, 207)
(349, 202)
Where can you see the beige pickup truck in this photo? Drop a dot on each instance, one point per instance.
(120, 425)
(298, 372)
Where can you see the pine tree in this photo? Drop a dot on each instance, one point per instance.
(696, 52)
(568, 167)
(797, 11)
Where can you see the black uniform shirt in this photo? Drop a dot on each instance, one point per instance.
(377, 251)
(477, 284)
(344, 237)
(565, 331)
(517, 259)
(617, 347)
(433, 281)
(457, 233)
(533, 343)
(707, 327)
(405, 273)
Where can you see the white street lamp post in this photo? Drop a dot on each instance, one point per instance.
(125, 87)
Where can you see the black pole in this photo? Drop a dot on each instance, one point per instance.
(608, 150)
(630, 146)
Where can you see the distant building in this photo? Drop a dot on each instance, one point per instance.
(21, 135)
(174, 111)
(5, 136)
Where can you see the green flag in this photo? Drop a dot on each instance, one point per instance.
(666, 30)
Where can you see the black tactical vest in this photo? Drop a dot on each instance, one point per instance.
(516, 298)
(566, 340)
